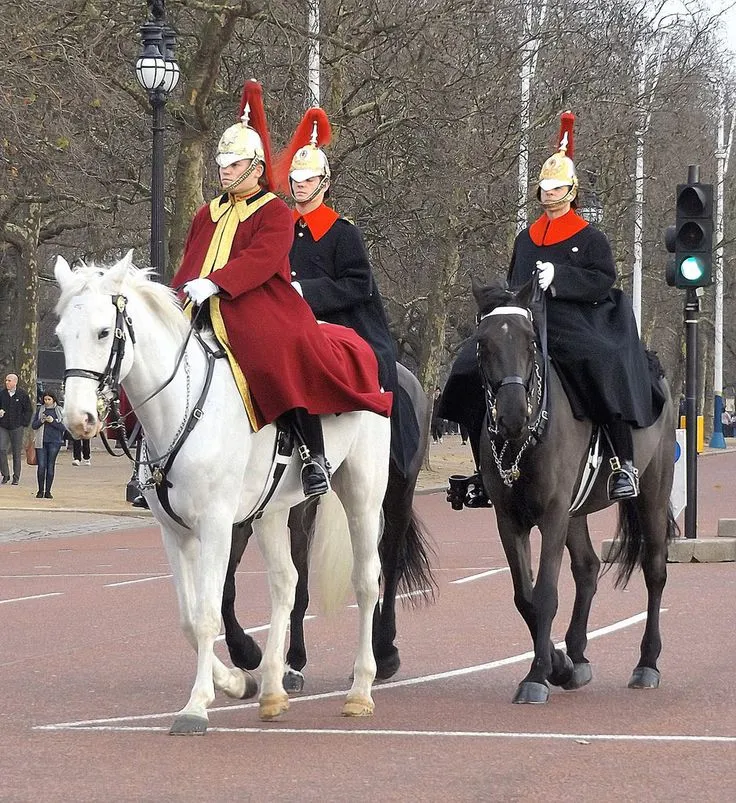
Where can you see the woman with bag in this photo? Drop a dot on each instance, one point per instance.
(49, 426)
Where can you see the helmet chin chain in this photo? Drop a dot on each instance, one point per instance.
(244, 176)
(317, 189)
(568, 197)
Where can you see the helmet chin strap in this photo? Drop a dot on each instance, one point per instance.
(238, 181)
(322, 184)
(568, 197)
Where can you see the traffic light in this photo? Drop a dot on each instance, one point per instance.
(691, 238)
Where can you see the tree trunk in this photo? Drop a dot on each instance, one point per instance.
(189, 196)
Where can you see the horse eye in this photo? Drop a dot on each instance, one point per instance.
(102, 334)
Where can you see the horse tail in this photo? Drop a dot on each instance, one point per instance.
(331, 555)
(415, 579)
(628, 546)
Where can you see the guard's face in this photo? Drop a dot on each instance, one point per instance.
(550, 196)
(302, 190)
(229, 176)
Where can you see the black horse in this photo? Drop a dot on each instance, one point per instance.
(533, 456)
(405, 563)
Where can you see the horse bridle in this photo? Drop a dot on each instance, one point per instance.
(108, 381)
(537, 372)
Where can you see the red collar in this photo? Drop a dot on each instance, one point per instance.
(319, 221)
(548, 231)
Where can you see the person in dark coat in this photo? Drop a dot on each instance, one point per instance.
(331, 270)
(15, 415)
(591, 330)
(285, 364)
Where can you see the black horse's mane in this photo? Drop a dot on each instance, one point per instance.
(498, 294)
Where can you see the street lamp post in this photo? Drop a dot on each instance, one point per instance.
(158, 73)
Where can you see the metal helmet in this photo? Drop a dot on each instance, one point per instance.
(304, 157)
(559, 169)
(248, 138)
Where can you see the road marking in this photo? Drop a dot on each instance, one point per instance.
(35, 596)
(91, 724)
(140, 580)
(472, 577)
(277, 730)
(402, 596)
(260, 628)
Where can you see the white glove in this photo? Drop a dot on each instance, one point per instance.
(297, 286)
(199, 290)
(545, 274)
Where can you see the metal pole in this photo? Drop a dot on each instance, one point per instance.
(692, 308)
(158, 252)
(639, 202)
(717, 440)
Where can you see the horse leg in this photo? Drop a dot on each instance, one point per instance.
(397, 518)
(658, 526)
(198, 568)
(273, 539)
(585, 565)
(540, 606)
(244, 652)
(364, 521)
(301, 525)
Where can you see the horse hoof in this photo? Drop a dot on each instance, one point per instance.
(564, 675)
(293, 680)
(244, 652)
(531, 692)
(189, 725)
(582, 674)
(387, 666)
(358, 706)
(644, 677)
(271, 706)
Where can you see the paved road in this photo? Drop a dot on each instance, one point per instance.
(93, 666)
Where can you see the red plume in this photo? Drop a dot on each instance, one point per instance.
(253, 96)
(567, 121)
(302, 136)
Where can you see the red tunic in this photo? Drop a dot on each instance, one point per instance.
(281, 356)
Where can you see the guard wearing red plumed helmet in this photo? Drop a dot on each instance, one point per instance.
(331, 268)
(236, 263)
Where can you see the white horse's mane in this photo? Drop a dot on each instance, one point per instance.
(160, 299)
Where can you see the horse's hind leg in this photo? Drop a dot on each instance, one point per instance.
(273, 539)
(244, 652)
(658, 525)
(585, 566)
(301, 527)
(362, 508)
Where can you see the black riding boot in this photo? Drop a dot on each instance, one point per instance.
(623, 483)
(469, 491)
(316, 469)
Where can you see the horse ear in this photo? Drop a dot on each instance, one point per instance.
(62, 271)
(526, 294)
(477, 288)
(117, 273)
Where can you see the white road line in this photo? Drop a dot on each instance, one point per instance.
(392, 684)
(401, 596)
(259, 628)
(35, 596)
(140, 580)
(277, 730)
(472, 577)
(76, 576)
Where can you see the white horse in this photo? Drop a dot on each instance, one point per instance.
(116, 325)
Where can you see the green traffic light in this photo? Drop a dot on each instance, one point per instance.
(692, 269)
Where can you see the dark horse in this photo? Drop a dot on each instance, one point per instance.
(405, 563)
(533, 455)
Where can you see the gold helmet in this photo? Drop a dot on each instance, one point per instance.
(304, 157)
(559, 169)
(248, 138)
